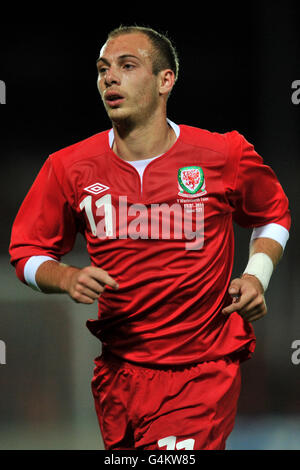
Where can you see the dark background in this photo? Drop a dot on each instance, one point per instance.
(236, 72)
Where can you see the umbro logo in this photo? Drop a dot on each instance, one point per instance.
(96, 188)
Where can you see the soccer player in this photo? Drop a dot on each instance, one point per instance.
(156, 202)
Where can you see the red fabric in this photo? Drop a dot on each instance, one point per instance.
(20, 265)
(168, 307)
(169, 409)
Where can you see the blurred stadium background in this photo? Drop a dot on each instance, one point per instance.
(238, 68)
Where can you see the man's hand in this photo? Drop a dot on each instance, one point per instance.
(86, 285)
(248, 298)
(83, 285)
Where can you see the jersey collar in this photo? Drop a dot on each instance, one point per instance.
(175, 127)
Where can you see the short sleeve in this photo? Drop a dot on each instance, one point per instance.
(45, 224)
(253, 190)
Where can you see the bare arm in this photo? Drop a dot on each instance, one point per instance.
(82, 285)
(247, 291)
(268, 246)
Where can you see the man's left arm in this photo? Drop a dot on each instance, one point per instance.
(248, 291)
(259, 202)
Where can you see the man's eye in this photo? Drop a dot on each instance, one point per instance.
(128, 66)
(102, 70)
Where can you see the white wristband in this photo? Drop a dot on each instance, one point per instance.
(261, 266)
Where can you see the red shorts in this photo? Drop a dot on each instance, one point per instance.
(166, 408)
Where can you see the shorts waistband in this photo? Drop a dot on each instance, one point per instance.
(118, 362)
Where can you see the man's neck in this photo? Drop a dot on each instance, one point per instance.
(148, 140)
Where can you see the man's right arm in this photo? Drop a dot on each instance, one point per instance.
(43, 232)
(83, 285)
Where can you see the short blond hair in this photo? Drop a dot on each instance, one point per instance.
(164, 53)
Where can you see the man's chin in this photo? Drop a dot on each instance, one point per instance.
(117, 114)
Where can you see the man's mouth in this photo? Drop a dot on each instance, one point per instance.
(113, 99)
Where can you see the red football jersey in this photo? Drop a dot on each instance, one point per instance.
(168, 242)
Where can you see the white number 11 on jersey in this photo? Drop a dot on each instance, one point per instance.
(104, 201)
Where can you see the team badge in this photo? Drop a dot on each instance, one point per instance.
(191, 182)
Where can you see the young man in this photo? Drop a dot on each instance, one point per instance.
(156, 203)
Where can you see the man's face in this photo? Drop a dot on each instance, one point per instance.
(126, 83)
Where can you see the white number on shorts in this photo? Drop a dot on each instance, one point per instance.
(170, 443)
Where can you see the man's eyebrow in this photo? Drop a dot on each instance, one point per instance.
(102, 59)
(121, 57)
(127, 56)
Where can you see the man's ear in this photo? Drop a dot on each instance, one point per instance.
(166, 81)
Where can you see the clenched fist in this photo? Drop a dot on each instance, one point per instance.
(87, 284)
(247, 298)
(84, 285)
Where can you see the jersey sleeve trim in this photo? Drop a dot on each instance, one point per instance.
(31, 267)
(274, 231)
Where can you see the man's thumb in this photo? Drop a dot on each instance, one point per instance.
(234, 287)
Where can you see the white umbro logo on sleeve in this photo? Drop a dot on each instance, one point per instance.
(96, 188)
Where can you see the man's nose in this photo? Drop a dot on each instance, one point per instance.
(112, 77)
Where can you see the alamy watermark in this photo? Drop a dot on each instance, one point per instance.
(295, 358)
(2, 352)
(2, 92)
(179, 221)
(296, 94)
